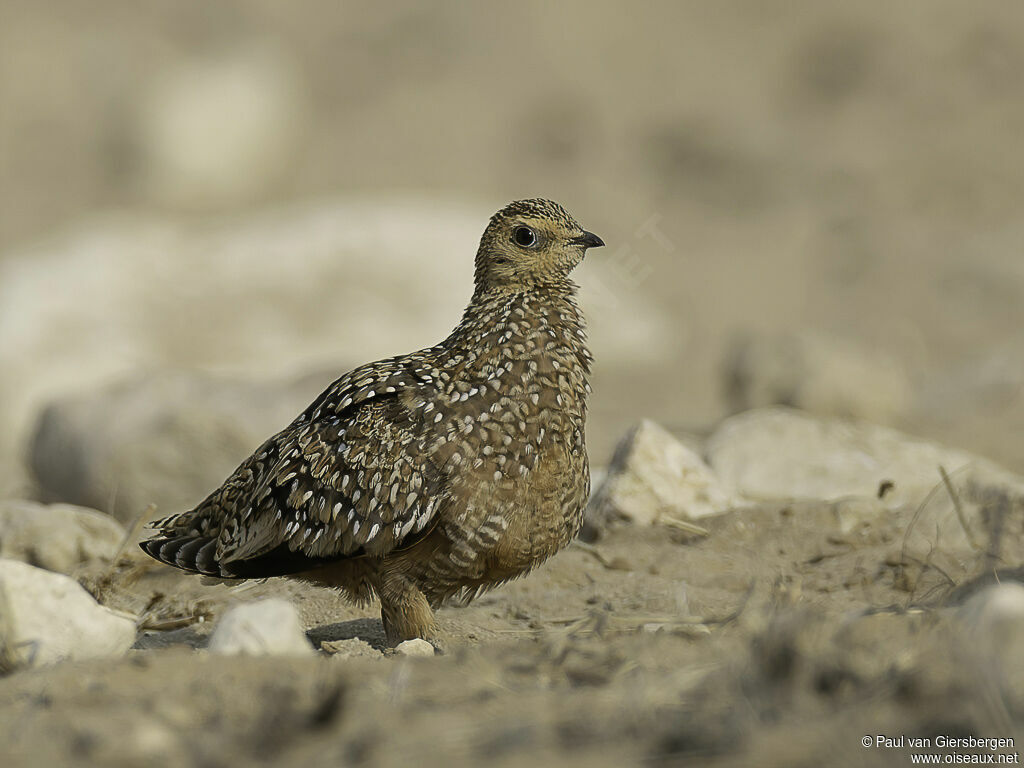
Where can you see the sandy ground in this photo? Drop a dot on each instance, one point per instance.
(772, 640)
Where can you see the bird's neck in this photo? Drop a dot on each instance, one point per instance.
(528, 323)
(521, 309)
(544, 287)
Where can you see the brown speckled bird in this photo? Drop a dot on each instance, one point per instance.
(444, 472)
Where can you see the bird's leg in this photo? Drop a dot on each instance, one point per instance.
(404, 610)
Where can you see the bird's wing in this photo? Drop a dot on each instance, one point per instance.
(356, 472)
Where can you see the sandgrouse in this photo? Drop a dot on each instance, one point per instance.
(440, 473)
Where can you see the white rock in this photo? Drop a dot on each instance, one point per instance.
(994, 606)
(58, 537)
(993, 621)
(262, 628)
(415, 647)
(780, 453)
(47, 617)
(653, 476)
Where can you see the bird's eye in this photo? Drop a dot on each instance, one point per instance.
(524, 236)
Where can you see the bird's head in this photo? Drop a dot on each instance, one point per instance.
(530, 243)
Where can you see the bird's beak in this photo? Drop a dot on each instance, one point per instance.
(588, 240)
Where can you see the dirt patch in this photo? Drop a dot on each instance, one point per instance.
(774, 639)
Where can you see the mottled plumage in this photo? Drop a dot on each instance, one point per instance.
(442, 472)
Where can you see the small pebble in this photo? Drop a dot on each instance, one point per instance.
(415, 647)
(261, 628)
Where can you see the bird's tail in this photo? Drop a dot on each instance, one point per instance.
(190, 553)
(198, 554)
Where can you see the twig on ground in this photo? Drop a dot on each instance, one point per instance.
(133, 531)
(954, 496)
(683, 525)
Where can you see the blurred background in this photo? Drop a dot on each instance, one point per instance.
(208, 211)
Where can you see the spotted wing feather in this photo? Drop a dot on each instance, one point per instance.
(351, 475)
